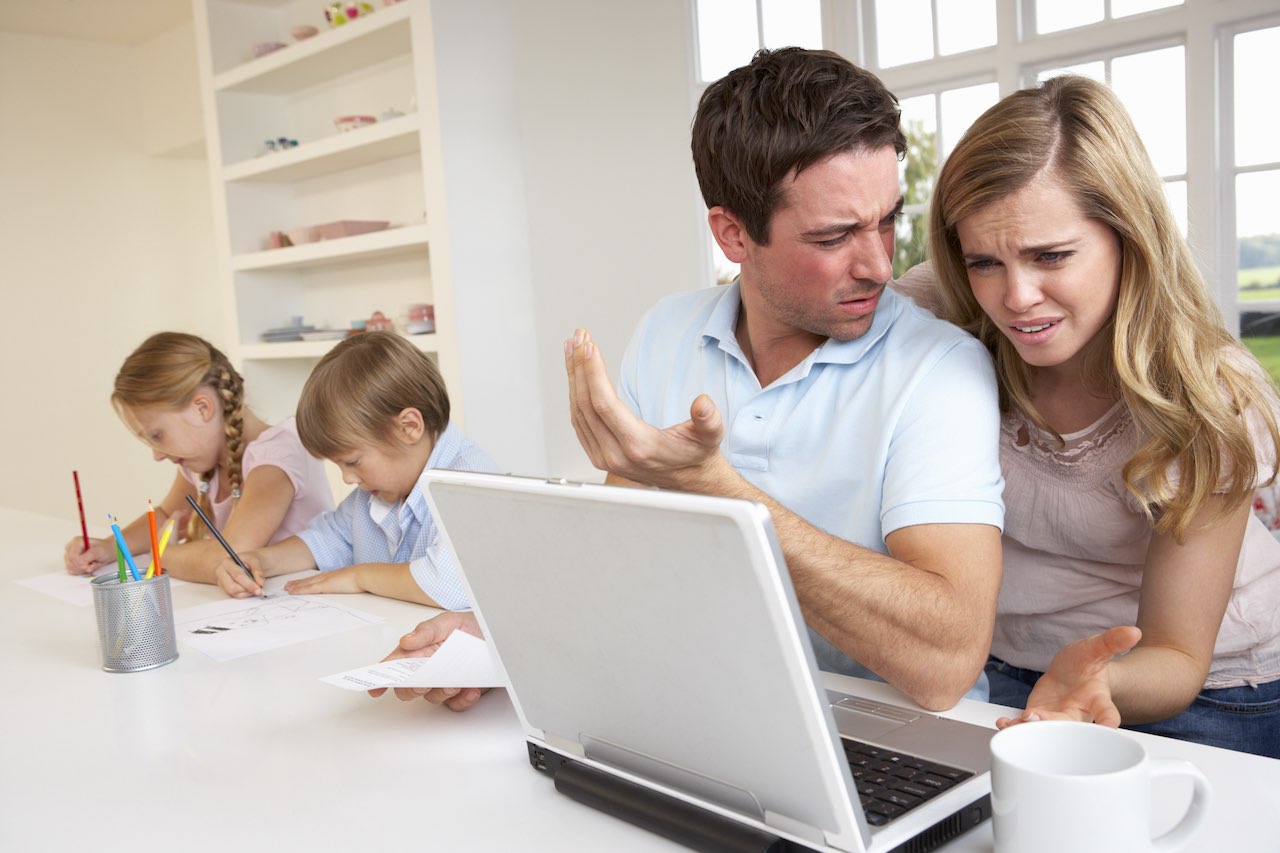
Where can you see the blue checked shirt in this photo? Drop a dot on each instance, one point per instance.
(364, 529)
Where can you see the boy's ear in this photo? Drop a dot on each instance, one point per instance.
(410, 425)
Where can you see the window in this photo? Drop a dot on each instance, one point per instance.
(729, 32)
(1255, 170)
(944, 60)
(932, 123)
(1052, 16)
(1162, 121)
(917, 30)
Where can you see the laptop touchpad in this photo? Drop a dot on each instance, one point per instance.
(854, 718)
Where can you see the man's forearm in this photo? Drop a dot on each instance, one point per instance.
(918, 629)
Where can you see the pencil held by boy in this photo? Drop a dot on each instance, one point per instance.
(182, 398)
(377, 407)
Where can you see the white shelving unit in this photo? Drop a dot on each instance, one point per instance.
(390, 171)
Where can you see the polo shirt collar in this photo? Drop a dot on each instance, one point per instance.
(721, 323)
(416, 501)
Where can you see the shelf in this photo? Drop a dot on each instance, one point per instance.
(331, 53)
(315, 349)
(405, 240)
(344, 150)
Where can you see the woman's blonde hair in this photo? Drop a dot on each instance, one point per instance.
(356, 391)
(164, 372)
(1162, 353)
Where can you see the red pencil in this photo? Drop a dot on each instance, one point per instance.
(84, 529)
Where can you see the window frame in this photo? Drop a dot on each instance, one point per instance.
(1205, 28)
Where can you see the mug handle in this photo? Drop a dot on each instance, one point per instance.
(1196, 811)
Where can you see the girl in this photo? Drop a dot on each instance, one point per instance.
(1135, 429)
(180, 395)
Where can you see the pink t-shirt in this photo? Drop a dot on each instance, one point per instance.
(1075, 542)
(279, 446)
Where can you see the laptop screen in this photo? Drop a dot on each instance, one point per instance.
(656, 633)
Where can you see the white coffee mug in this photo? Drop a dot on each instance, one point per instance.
(1064, 787)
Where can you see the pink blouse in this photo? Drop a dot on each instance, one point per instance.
(1075, 542)
(280, 446)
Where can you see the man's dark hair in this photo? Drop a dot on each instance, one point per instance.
(785, 111)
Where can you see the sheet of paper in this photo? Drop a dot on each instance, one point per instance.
(461, 661)
(74, 589)
(235, 627)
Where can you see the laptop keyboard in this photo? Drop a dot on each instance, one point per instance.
(890, 783)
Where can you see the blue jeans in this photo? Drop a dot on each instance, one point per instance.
(1245, 718)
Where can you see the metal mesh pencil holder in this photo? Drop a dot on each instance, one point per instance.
(135, 623)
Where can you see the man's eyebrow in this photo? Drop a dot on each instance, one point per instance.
(837, 228)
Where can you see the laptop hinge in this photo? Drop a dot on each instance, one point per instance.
(794, 827)
(569, 746)
(684, 823)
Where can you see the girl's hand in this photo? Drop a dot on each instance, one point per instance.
(1076, 685)
(234, 582)
(81, 562)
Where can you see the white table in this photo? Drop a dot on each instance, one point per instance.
(257, 754)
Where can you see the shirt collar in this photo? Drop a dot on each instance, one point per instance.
(720, 328)
(416, 501)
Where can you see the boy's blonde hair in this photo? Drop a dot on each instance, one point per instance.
(356, 391)
(1162, 353)
(164, 372)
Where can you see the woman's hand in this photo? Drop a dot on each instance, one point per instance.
(1076, 686)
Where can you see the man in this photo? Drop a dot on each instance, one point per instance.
(866, 426)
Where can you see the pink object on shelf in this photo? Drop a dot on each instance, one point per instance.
(345, 123)
(327, 231)
(305, 234)
(303, 31)
(262, 48)
(347, 228)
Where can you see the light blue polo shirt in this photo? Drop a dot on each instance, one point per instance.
(896, 428)
(366, 529)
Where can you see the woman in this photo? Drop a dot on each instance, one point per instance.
(1135, 429)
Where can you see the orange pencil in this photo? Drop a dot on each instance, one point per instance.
(155, 542)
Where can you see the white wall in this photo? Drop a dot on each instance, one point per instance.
(605, 114)
(101, 246)
(487, 230)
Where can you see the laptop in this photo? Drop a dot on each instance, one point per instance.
(661, 669)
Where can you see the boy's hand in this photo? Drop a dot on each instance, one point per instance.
(234, 582)
(422, 642)
(339, 580)
(81, 562)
